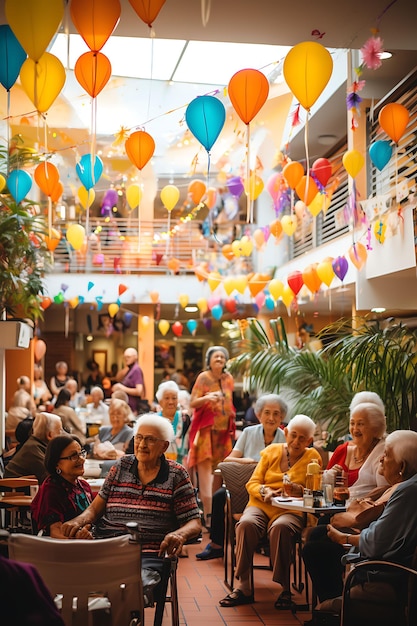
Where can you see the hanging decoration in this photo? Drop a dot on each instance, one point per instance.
(19, 184)
(147, 10)
(43, 80)
(358, 255)
(94, 21)
(248, 91)
(353, 161)
(380, 153)
(12, 56)
(93, 71)
(340, 267)
(75, 236)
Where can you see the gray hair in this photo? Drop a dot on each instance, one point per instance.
(404, 449)
(270, 398)
(211, 351)
(167, 385)
(97, 389)
(375, 416)
(302, 421)
(366, 396)
(162, 424)
(44, 424)
(120, 405)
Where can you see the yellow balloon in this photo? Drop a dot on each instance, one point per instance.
(325, 271)
(202, 305)
(75, 236)
(241, 282)
(113, 309)
(246, 246)
(236, 247)
(163, 326)
(353, 162)
(307, 69)
(183, 299)
(2, 183)
(170, 195)
(287, 295)
(85, 197)
(133, 196)
(317, 204)
(289, 224)
(42, 80)
(276, 288)
(254, 187)
(214, 280)
(229, 284)
(34, 22)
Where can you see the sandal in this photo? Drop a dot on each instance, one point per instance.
(284, 602)
(236, 598)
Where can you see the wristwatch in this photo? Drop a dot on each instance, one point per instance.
(262, 491)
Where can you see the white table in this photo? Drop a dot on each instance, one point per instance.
(297, 504)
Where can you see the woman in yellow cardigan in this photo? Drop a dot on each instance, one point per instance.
(261, 518)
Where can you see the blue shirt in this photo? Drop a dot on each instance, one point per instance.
(251, 441)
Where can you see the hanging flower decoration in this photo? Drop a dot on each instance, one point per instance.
(371, 53)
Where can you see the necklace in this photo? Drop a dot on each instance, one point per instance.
(367, 453)
(288, 457)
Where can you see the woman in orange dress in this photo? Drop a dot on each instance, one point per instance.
(212, 429)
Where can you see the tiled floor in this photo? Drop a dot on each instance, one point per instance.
(201, 586)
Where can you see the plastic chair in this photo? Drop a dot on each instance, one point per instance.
(87, 571)
(15, 500)
(380, 593)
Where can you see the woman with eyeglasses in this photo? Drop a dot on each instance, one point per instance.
(63, 494)
(147, 488)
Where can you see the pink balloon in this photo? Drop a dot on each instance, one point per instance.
(260, 299)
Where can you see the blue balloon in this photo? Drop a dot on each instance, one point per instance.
(12, 57)
(380, 153)
(19, 183)
(192, 326)
(270, 303)
(217, 311)
(88, 175)
(205, 117)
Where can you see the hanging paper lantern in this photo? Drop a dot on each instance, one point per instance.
(177, 328)
(95, 21)
(293, 173)
(140, 147)
(205, 117)
(307, 69)
(358, 255)
(163, 327)
(147, 11)
(170, 195)
(340, 267)
(88, 172)
(43, 80)
(295, 281)
(19, 184)
(248, 91)
(75, 236)
(393, 119)
(380, 153)
(34, 23)
(353, 161)
(93, 71)
(12, 57)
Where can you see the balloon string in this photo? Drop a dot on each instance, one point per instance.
(139, 226)
(307, 159)
(8, 131)
(168, 235)
(248, 202)
(151, 80)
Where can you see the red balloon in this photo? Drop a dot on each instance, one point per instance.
(95, 21)
(295, 281)
(248, 91)
(147, 11)
(177, 328)
(46, 177)
(140, 147)
(322, 170)
(230, 305)
(46, 302)
(93, 71)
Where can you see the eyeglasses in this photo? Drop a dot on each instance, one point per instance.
(74, 456)
(148, 440)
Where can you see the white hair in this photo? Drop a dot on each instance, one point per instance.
(366, 396)
(167, 385)
(375, 416)
(162, 424)
(302, 421)
(404, 449)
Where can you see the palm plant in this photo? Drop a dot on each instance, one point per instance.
(322, 384)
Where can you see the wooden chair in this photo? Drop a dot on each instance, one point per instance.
(15, 500)
(84, 575)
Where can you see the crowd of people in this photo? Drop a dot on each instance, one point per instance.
(161, 471)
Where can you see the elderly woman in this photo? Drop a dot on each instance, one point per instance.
(167, 396)
(149, 489)
(213, 423)
(392, 536)
(112, 441)
(281, 463)
(359, 458)
(71, 422)
(63, 494)
(97, 409)
(270, 410)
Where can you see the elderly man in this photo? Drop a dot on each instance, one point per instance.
(29, 460)
(132, 381)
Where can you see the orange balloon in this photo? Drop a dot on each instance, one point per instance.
(53, 240)
(311, 278)
(140, 147)
(196, 190)
(46, 177)
(93, 71)
(307, 195)
(57, 191)
(95, 21)
(358, 255)
(393, 118)
(147, 11)
(248, 91)
(211, 197)
(275, 228)
(293, 173)
(40, 349)
(257, 283)
(174, 265)
(227, 251)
